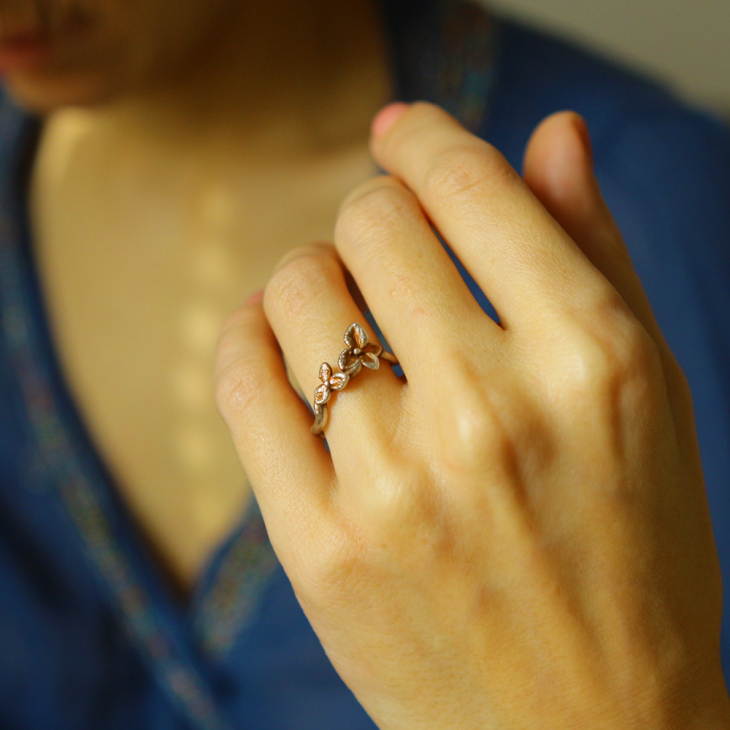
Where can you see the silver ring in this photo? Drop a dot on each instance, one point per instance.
(359, 353)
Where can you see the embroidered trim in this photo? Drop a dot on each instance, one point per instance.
(238, 585)
(62, 461)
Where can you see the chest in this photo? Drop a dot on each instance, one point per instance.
(138, 275)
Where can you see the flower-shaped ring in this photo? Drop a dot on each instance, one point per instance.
(359, 352)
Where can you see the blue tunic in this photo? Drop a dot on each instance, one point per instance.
(90, 634)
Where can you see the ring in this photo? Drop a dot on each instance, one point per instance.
(359, 353)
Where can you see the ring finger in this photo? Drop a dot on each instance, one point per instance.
(309, 307)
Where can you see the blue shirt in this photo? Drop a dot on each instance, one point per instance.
(90, 634)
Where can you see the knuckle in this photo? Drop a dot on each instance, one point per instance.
(471, 430)
(241, 384)
(636, 352)
(335, 561)
(461, 169)
(380, 206)
(299, 280)
(402, 516)
(397, 499)
(616, 359)
(632, 352)
(676, 377)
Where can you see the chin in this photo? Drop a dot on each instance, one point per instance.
(42, 95)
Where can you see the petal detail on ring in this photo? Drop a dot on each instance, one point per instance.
(322, 394)
(325, 372)
(347, 361)
(361, 337)
(356, 336)
(372, 347)
(350, 365)
(370, 360)
(338, 381)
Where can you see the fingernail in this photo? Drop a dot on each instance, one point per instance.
(387, 117)
(256, 298)
(582, 129)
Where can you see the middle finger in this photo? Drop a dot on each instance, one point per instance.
(410, 283)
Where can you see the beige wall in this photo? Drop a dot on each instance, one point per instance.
(686, 42)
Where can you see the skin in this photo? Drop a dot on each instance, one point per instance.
(518, 535)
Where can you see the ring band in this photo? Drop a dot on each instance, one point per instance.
(359, 353)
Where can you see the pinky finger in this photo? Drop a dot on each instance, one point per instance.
(290, 470)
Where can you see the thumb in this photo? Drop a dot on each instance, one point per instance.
(558, 168)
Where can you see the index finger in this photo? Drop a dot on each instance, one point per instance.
(515, 250)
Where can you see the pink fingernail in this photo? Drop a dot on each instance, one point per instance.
(256, 298)
(387, 117)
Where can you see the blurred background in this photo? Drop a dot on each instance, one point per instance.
(683, 42)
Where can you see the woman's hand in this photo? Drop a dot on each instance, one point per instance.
(518, 536)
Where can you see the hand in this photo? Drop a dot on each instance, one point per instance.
(518, 536)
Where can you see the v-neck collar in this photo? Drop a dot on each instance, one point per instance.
(446, 55)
